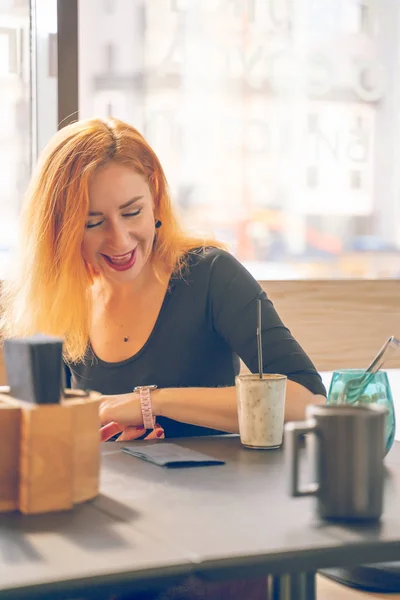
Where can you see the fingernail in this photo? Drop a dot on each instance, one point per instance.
(160, 433)
(140, 427)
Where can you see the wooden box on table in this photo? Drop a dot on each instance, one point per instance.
(50, 453)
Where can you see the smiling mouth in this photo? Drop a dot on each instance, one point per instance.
(121, 262)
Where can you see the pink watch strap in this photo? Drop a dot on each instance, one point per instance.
(147, 412)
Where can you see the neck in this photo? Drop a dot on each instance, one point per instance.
(123, 290)
(139, 287)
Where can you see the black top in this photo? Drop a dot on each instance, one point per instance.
(207, 320)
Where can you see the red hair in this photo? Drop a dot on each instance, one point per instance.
(50, 292)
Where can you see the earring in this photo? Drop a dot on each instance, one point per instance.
(158, 224)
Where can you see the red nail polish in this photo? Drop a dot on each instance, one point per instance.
(140, 427)
(160, 433)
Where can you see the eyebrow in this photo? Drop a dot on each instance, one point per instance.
(95, 213)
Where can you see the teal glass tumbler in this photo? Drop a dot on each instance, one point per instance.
(377, 390)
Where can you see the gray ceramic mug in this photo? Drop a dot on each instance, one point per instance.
(347, 448)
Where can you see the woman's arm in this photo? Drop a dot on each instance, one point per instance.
(234, 295)
(207, 407)
(217, 407)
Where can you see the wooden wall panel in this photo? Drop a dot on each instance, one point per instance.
(341, 324)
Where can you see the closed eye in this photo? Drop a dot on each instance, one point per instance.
(91, 225)
(133, 214)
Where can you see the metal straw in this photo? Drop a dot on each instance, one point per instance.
(259, 339)
(355, 387)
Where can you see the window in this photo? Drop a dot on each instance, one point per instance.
(15, 120)
(263, 119)
(28, 107)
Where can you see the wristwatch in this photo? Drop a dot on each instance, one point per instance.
(145, 404)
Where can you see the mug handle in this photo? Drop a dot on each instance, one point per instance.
(293, 432)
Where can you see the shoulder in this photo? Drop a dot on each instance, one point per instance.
(212, 259)
(217, 269)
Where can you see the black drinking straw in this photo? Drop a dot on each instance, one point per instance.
(259, 340)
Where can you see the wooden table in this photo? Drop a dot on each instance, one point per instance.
(152, 525)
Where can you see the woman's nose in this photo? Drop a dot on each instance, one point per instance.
(119, 237)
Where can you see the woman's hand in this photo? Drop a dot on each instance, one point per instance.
(129, 433)
(122, 414)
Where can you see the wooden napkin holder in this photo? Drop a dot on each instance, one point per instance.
(50, 453)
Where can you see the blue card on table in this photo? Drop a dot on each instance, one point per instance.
(171, 455)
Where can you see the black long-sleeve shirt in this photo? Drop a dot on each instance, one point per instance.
(207, 320)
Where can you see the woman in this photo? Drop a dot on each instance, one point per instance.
(104, 264)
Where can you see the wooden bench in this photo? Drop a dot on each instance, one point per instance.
(340, 324)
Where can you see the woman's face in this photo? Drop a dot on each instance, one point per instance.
(120, 227)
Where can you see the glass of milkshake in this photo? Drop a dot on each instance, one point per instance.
(261, 409)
